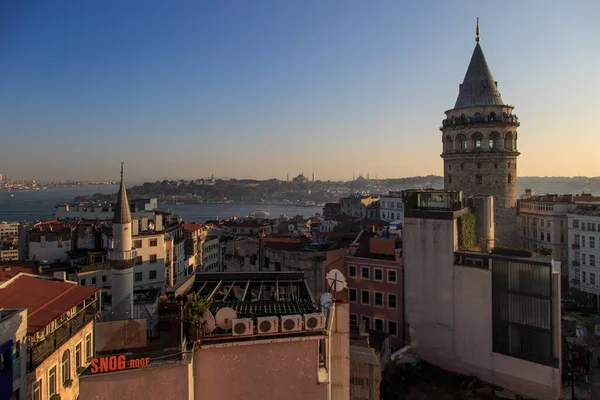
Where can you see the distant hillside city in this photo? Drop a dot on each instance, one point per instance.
(303, 190)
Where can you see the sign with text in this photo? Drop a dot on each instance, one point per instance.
(117, 363)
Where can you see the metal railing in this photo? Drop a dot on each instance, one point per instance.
(40, 350)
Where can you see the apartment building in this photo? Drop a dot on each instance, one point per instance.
(9, 229)
(373, 269)
(391, 206)
(49, 242)
(194, 234)
(9, 250)
(479, 313)
(13, 347)
(360, 206)
(584, 248)
(211, 254)
(59, 334)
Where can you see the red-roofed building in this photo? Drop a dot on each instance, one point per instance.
(9, 270)
(59, 334)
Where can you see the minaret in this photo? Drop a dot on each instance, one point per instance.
(479, 138)
(122, 257)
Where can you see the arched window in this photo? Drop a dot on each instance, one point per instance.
(66, 366)
(477, 116)
(508, 141)
(462, 141)
(494, 140)
(477, 139)
(448, 143)
(492, 116)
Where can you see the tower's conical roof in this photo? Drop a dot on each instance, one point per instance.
(122, 213)
(478, 87)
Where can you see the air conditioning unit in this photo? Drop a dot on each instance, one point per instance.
(291, 323)
(314, 322)
(267, 324)
(242, 327)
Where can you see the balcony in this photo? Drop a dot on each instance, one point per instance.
(575, 246)
(40, 350)
(484, 120)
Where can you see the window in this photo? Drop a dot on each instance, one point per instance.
(83, 282)
(88, 347)
(542, 223)
(391, 301)
(365, 272)
(352, 271)
(496, 165)
(138, 260)
(365, 297)
(590, 226)
(491, 143)
(153, 242)
(153, 274)
(450, 179)
(562, 224)
(477, 143)
(367, 321)
(583, 276)
(479, 179)
(592, 278)
(548, 237)
(462, 165)
(592, 260)
(103, 278)
(576, 239)
(548, 224)
(378, 324)
(138, 277)
(37, 390)
(66, 366)
(378, 301)
(353, 320)
(542, 236)
(94, 280)
(52, 381)
(393, 328)
(562, 237)
(352, 295)
(592, 241)
(391, 276)
(77, 356)
(379, 274)
(152, 258)
(524, 232)
(582, 259)
(509, 178)
(137, 244)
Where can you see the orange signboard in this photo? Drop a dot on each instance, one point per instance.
(117, 363)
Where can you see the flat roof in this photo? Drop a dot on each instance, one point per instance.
(45, 299)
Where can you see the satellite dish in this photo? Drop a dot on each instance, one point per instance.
(326, 300)
(336, 281)
(209, 321)
(224, 317)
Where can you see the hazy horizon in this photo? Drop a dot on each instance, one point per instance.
(258, 90)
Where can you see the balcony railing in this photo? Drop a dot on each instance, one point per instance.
(39, 351)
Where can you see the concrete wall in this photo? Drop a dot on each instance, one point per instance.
(49, 250)
(269, 370)
(169, 382)
(449, 313)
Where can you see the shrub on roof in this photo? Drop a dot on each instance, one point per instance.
(506, 251)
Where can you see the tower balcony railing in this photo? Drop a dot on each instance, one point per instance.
(469, 121)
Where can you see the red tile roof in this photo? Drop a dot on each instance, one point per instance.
(45, 299)
(55, 225)
(192, 226)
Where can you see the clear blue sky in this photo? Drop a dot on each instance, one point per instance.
(260, 88)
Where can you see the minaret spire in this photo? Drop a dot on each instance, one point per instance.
(477, 31)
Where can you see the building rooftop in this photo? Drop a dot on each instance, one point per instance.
(192, 227)
(45, 299)
(479, 87)
(10, 269)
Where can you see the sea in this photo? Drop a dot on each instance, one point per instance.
(30, 205)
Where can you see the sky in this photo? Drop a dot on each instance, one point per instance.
(258, 89)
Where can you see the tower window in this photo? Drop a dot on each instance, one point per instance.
(478, 165)
(450, 179)
(477, 144)
(479, 179)
(463, 144)
(509, 178)
(491, 143)
(462, 165)
(508, 164)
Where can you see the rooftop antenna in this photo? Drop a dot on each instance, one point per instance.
(208, 321)
(225, 317)
(336, 281)
(477, 31)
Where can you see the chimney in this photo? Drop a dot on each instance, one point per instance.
(60, 275)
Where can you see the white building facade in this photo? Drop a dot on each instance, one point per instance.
(391, 207)
(584, 249)
(211, 254)
(9, 229)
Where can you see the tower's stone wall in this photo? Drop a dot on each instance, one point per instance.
(480, 158)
